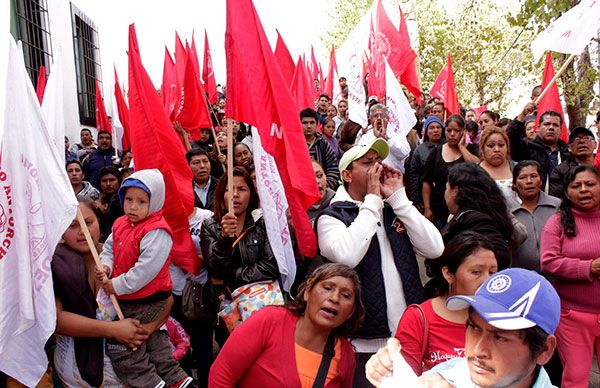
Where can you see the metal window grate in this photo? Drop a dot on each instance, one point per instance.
(33, 29)
(87, 64)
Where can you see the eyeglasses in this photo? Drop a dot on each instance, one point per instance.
(579, 139)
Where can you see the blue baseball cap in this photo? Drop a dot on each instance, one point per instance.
(514, 299)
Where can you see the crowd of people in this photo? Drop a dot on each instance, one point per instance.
(464, 251)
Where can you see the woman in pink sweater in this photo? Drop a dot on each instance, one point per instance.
(571, 254)
(287, 347)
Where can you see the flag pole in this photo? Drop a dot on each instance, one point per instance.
(553, 80)
(230, 165)
(90, 241)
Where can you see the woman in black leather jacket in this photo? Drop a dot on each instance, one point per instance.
(235, 246)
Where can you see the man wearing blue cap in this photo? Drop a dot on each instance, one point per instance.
(510, 335)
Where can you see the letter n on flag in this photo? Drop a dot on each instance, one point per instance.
(257, 94)
(37, 204)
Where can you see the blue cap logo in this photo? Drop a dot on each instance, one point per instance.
(499, 283)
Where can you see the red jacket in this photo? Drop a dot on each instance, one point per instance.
(261, 353)
(126, 249)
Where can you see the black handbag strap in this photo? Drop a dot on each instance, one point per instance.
(328, 354)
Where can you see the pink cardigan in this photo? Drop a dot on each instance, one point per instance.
(261, 353)
(569, 260)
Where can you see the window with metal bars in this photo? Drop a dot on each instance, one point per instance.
(30, 25)
(87, 64)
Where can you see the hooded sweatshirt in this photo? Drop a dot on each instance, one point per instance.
(138, 253)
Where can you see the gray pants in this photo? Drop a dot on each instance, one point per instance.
(153, 361)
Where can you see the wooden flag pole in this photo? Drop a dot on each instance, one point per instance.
(230, 165)
(90, 241)
(553, 80)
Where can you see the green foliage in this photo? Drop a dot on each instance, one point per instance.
(347, 14)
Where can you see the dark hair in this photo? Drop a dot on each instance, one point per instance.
(85, 130)
(493, 115)
(551, 113)
(328, 120)
(249, 150)
(458, 119)
(504, 121)
(309, 112)
(478, 191)
(472, 126)
(326, 96)
(342, 78)
(598, 117)
(220, 207)
(124, 171)
(520, 166)
(456, 251)
(328, 271)
(109, 171)
(195, 152)
(74, 162)
(440, 103)
(104, 131)
(566, 215)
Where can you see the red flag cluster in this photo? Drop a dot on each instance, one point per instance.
(444, 88)
(102, 122)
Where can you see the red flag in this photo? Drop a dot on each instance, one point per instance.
(41, 84)
(180, 60)
(392, 44)
(314, 65)
(321, 81)
(257, 94)
(193, 54)
(301, 88)
(169, 91)
(284, 59)
(156, 145)
(192, 111)
(551, 100)
(410, 76)
(208, 74)
(102, 122)
(376, 82)
(123, 113)
(444, 88)
(331, 73)
(479, 110)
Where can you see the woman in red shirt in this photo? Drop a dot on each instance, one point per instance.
(430, 333)
(285, 346)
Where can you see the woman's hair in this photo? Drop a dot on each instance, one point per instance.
(458, 119)
(220, 207)
(478, 191)
(485, 136)
(520, 166)
(328, 271)
(491, 114)
(456, 251)
(328, 120)
(472, 126)
(566, 215)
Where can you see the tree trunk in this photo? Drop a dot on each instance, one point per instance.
(577, 94)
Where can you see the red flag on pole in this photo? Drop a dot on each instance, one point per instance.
(156, 145)
(41, 84)
(393, 45)
(180, 60)
(208, 74)
(102, 122)
(194, 55)
(284, 59)
(331, 73)
(444, 88)
(410, 76)
(192, 111)
(258, 95)
(301, 88)
(551, 100)
(169, 91)
(314, 65)
(123, 111)
(376, 82)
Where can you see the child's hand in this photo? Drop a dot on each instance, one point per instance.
(107, 286)
(102, 273)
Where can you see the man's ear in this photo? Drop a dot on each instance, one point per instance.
(346, 176)
(547, 352)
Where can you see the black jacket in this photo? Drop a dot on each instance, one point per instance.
(557, 178)
(210, 196)
(252, 259)
(522, 149)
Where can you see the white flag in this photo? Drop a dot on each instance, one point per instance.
(570, 33)
(53, 104)
(401, 115)
(36, 206)
(118, 130)
(274, 205)
(357, 110)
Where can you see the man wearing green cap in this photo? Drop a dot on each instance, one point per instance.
(372, 227)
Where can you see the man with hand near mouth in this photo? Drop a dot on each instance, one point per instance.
(582, 145)
(510, 335)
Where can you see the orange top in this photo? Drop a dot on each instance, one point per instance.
(308, 362)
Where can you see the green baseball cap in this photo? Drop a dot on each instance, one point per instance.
(379, 145)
